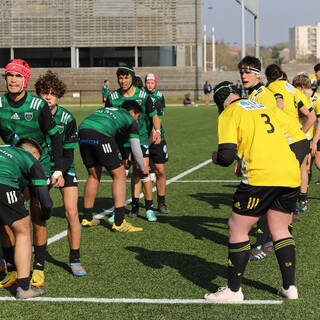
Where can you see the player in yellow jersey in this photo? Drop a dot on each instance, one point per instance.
(250, 68)
(291, 101)
(303, 83)
(249, 131)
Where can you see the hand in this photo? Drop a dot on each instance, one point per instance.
(214, 157)
(145, 173)
(57, 182)
(156, 137)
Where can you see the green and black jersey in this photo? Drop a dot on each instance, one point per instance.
(160, 104)
(18, 168)
(112, 122)
(116, 99)
(105, 91)
(67, 126)
(29, 117)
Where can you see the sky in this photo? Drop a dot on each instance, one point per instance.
(276, 17)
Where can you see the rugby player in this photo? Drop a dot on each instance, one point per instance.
(295, 105)
(250, 69)
(248, 130)
(158, 152)
(51, 89)
(148, 118)
(98, 147)
(18, 168)
(25, 115)
(105, 91)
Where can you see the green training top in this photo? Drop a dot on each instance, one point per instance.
(67, 126)
(18, 168)
(116, 99)
(31, 120)
(112, 122)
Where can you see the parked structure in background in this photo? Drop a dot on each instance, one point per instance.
(304, 41)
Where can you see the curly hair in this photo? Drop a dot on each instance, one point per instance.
(50, 83)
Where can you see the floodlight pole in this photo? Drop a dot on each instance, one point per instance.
(213, 51)
(243, 42)
(205, 49)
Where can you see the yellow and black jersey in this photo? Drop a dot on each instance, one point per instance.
(307, 103)
(290, 95)
(263, 95)
(315, 103)
(291, 129)
(266, 158)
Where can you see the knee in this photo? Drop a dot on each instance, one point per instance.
(160, 172)
(72, 215)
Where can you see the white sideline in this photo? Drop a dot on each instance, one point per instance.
(110, 210)
(181, 181)
(149, 301)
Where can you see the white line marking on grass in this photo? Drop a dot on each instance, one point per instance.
(181, 181)
(110, 210)
(149, 301)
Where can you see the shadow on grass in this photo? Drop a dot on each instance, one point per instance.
(100, 205)
(195, 269)
(58, 263)
(214, 199)
(199, 226)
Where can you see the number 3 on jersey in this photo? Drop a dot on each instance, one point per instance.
(263, 115)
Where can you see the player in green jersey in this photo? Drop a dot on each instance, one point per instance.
(25, 115)
(148, 118)
(51, 89)
(100, 136)
(105, 91)
(158, 152)
(18, 168)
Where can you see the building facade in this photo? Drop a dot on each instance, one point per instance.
(99, 33)
(304, 41)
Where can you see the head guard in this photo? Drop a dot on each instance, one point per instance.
(21, 67)
(127, 70)
(222, 92)
(151, 76)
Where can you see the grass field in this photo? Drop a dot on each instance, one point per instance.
(182, 256)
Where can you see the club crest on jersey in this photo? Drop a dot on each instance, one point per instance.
(28, 116)
(61, 129)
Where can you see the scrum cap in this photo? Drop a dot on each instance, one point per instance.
(222, 92)
(19, 66)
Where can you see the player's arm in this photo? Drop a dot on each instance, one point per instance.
(309, 114)
(108, 103)
(49, 127)
(135, 145)
(38, 182)
(279, 99)
(316, 137)
(70, 143)
(152, 113)
(226, 154)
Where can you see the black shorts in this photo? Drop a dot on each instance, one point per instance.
(12, 205)
(318, 145)
(300, 149)
(159, 152)
(125, 152)
(97, 149)
(256, 201)
(70, 180)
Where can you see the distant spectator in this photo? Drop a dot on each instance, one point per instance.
(139, 82)
(105, 91)
(187, 100)
(207, 89)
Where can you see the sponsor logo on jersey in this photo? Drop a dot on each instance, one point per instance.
(250, 105)
(28, 116)
(15, 116)
(61, 129)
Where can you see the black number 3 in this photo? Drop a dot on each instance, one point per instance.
(268, 122)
